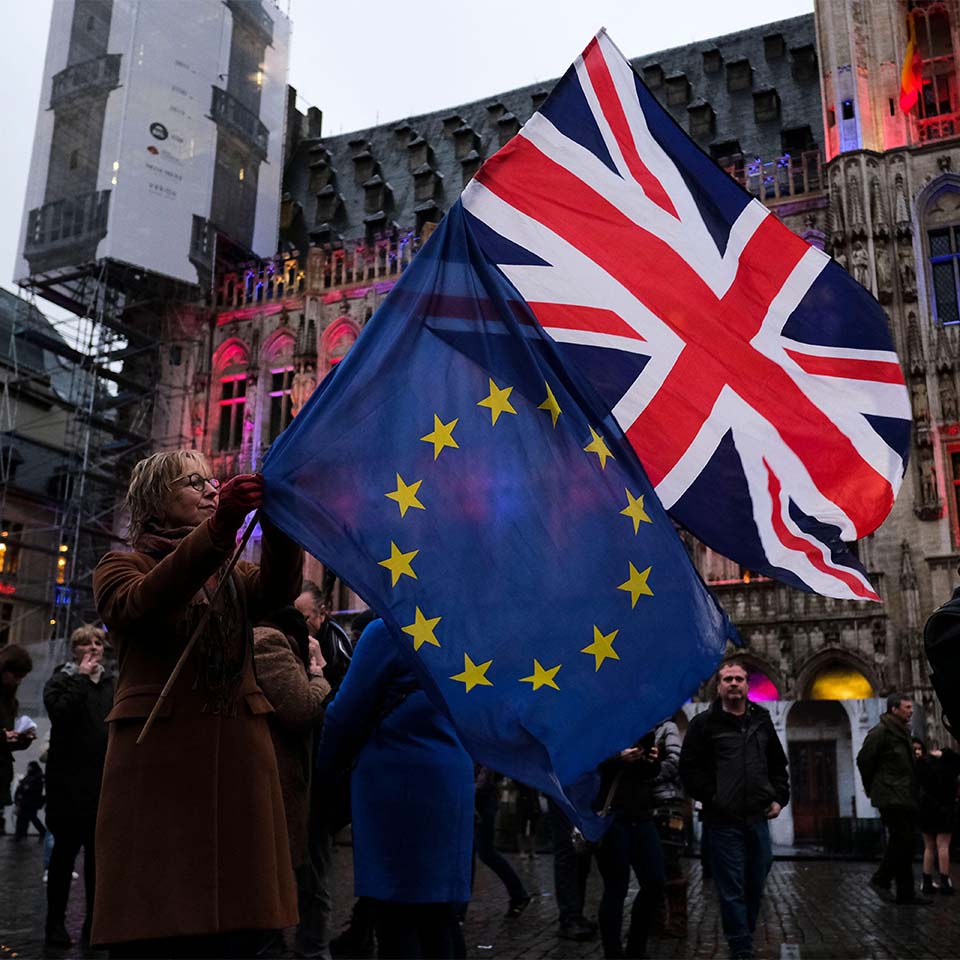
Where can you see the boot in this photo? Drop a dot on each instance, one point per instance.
(946, 885)
(927, 885)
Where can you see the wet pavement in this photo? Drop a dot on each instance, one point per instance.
(814, 910)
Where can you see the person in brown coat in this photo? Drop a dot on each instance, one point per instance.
(191, 847)
(290, 671)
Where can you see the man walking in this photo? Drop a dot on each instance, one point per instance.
(889, 776)
(733, 763)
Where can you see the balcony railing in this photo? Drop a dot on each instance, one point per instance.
(939, 128)
(99, 75)
(789, 175)
(767, 601)
(62, 223)
(327, 268)
(229, 112)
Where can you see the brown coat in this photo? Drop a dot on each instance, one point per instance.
(191, 837)
(298, 704)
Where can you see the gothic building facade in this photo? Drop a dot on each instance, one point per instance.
(805, 114)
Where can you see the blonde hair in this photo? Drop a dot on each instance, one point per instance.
(87, 634)
(150, 482)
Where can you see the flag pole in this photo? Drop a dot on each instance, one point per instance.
(188, 649)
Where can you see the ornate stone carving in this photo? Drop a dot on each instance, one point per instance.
(908, 587)
(855, 203)
(302, 386)
(948, 397)
(915, 359)
(928, 506)
(884, 272)
(860, 265)
(908, 276)
(919, 400)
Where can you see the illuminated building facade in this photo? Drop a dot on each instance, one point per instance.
(804, 113)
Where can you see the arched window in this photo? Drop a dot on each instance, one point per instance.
(230, 364)
(942, 223)
(279, 373)
(840, 681)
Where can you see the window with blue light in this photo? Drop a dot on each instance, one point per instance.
(945, 273)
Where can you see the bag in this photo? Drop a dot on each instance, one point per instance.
(332, 804)
(581, 845)
(941, 638)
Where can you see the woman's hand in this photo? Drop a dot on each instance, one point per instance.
(238, 497)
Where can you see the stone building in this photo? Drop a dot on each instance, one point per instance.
(804, 113)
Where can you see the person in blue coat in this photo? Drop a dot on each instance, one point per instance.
(411, 800)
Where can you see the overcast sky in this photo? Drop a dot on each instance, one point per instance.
(376, 61)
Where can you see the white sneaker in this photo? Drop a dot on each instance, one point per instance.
(44, 878)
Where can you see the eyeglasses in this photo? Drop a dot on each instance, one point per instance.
(196, 481)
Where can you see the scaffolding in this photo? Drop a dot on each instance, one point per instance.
(109, 390)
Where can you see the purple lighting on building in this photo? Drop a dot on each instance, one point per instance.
(762, 688)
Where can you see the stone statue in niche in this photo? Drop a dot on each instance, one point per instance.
(928, 481)
(840, 257)
(884, 274)
(908, 277)
(879, 634)
(948, 398)
(302, 386)
(855, 199)
(860, 265)
(921, 409)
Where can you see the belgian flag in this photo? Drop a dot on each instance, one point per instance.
(911, 79)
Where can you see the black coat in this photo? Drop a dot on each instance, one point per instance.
(78, 741)
(734, 766)
(938, 778)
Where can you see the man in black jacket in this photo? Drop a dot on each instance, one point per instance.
(733, 763)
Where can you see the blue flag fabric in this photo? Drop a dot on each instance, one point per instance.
(466, 485)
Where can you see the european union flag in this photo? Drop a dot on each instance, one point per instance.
(476, 494)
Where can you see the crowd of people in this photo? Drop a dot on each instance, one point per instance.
(213, 835)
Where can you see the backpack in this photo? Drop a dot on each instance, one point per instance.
(941, 638)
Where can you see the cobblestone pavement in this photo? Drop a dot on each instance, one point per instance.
(814, 910)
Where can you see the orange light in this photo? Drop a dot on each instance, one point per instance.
(63, 548)
(53, 623)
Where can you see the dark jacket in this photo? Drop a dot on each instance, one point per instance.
(337, 651)
(887, 766)
(633, 796)
(937, 778)
(29, 793)
(78, 710)
(734, 766)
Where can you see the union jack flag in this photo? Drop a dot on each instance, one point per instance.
(755, 379)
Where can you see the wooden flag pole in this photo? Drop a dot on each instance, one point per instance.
(168, 686)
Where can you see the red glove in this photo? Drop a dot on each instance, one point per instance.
(238, 496)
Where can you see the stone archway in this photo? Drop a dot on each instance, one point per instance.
(839, 661)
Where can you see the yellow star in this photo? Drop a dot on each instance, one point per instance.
(422, 630)
(637, 585)
(551, 406)
(541, 677)
(498, 401)
(442, 435)
(473, 675)
(634, 510)
(406, 495)
(597, 446)
(602, 646)
(399, 563)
